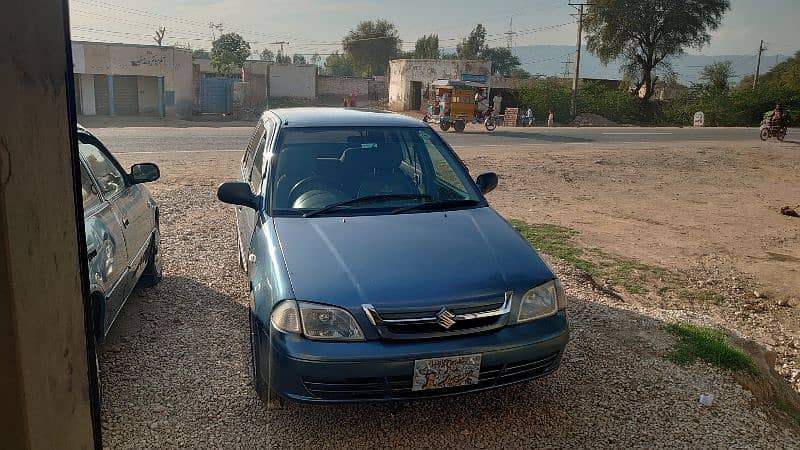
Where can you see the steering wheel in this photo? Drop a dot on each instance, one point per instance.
(311, 183)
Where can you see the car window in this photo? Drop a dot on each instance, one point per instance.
(318, 166)
(256, 172)
(251, 146)
(88, 189)
(107, 174)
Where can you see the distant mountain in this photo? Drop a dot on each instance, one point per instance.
(549, 60)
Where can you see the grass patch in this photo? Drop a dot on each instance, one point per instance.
(633, 276)
(701, 296)
(709, 345)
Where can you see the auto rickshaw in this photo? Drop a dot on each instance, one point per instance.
(451, 103)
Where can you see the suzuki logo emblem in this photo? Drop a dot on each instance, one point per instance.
(445, 319)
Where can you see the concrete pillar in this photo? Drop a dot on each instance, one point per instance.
(44, 375)
(110, 94)
(87, 94)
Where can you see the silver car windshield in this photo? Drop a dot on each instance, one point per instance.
(366, 169)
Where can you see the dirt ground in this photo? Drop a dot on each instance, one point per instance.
(710, 210)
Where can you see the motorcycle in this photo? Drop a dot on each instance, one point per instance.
(770, 131)
(487, 118)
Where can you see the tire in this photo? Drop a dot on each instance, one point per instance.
(97, 368)
(491, 124)
(425, 119)
(154, 270)
(781, 134)
(459, 126)
(262, 386)
(444, 126)
(764, 134)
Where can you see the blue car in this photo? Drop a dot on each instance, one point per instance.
(377, 269)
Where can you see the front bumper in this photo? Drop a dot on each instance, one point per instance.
(314, 371)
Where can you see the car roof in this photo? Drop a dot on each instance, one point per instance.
(341, 117)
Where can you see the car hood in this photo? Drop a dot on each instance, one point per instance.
(407, 260)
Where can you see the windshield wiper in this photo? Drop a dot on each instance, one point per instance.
(367, 198)
(436, 205)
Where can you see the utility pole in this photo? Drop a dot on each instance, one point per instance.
(761, 49)
(510, 34)
(281, 43)
(575, 78)
(567, 68)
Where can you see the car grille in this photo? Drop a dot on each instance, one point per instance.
(399, 387)
(486, 315)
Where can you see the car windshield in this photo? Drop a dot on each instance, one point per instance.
(354, 170)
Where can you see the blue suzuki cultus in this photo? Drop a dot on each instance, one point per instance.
(377, 269)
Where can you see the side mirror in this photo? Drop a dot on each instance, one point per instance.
(487, 182)
(144, 173)
(237, 193)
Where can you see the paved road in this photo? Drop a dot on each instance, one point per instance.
(166, 139)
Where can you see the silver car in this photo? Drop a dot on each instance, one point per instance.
(122, 233)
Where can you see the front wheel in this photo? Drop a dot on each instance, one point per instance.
(781, 134)
(262, 386)
(444, 125)
(459, 126)
(764, 134)
(490, 124)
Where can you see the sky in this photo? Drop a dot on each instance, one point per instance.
(319, 25)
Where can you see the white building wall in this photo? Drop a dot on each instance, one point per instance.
(403, 71)
(286, 80)
(87, 94)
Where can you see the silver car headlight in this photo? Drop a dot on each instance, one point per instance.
(542, 301)
(316, 321)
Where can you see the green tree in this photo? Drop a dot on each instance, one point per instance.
(717, 77)
(200, 53)
(519, 73)
(371, 45)
(338, 64)
(280, 58)
(787, 74)
(298, 59)
(646, 33)
(229, 52)
(267, 55)
(471, 46)
(503, 61)
(427, 47)
(316, 59)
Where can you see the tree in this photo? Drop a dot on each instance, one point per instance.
(159, 37)
(298, 59)
(371, 45)
(280, 58)
(519, 73)
(316, 59)
(427, 47)
(717, 76)
(200, 53)
(472, 46)
(229, 52)
(503, 61)
(338, 65)
(267, 55)
(646, 33)
(786, 74)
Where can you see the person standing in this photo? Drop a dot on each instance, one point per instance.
(498, 101)
(550, 119)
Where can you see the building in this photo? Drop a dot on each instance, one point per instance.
(132, 79)
(409, 78)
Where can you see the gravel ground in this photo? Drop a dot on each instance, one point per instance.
(176, 366)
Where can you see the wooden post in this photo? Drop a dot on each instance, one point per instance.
(44, 376)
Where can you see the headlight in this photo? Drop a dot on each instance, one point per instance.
(285, 317)
(542, 301)
(329, 323)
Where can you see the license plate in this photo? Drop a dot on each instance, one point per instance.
(439, 373)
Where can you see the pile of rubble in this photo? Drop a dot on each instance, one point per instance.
(592, 120)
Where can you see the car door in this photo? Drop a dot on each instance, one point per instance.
(105, 248)
(254, 176)
(127, 202)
